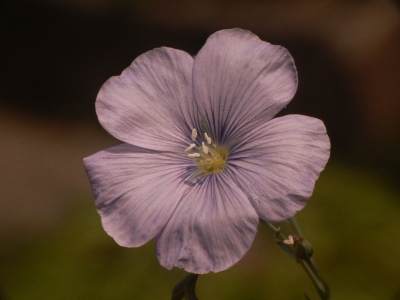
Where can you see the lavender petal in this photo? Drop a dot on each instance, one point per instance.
(241, 82)
(211, 229)
(276, 165)
(136, 191)
(150, 103)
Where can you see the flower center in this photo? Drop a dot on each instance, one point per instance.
(210, 157)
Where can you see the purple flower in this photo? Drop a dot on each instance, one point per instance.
(203, 160)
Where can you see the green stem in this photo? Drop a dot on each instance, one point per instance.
(276, 230)
(295, 226)
(308, 265)
(185, 289)
(319, 283)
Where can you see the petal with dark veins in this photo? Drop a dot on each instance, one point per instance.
(277, 164)
(212, 227)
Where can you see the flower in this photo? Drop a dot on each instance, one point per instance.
(203, 160)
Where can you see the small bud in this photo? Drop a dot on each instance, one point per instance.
(302, 249)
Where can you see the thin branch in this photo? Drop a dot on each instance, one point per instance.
(300, 250)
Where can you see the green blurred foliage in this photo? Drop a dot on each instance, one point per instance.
(351, 221)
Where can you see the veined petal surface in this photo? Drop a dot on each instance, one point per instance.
(212, 227)
(150, 103)
(136, 191)
(276, 165)
(240, 82)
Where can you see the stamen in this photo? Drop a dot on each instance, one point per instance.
(194, 134)
(190, 147)
(210, 157)
(204, 148)
(207, 138)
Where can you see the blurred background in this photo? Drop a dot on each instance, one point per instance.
(56, 54)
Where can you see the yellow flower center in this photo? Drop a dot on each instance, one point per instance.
(210, 157)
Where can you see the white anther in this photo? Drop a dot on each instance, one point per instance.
(289, 241)
(190, 147)
(207, 138)
(194, 155)
(194, 134)
(205, 148)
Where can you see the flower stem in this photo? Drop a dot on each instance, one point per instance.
(295, 226)
(276, 230)
(185, 289)
(319, 283)
(302, 257)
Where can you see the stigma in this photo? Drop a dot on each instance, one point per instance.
(210, 157)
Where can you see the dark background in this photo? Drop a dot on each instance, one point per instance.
(55, 56)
